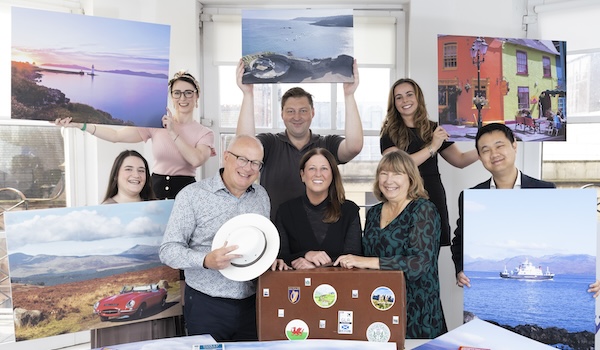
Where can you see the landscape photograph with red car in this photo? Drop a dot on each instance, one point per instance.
(75, 269)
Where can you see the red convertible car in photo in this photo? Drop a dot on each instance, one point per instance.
(131, 302)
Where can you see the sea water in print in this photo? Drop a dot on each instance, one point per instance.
(516, 302)
(112, 93)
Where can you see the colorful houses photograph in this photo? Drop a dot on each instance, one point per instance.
(518, 82)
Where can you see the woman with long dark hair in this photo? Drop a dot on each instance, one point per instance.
(129, 179)
(322, 224)
(407, 128)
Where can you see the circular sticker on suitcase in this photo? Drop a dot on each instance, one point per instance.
(383, 298)
(296, 330)
(378, 332)
(325, 296)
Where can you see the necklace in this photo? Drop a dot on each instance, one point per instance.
(394, 213)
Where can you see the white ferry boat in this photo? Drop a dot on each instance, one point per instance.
(527, 271)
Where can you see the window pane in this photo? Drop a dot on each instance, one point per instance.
(546, 67)
(263, 106)
(521, 62)
(359, 174)
(450, 55)
(371, 97)
(230, 98)
(32, 163)
(576, 162)
(583, 84)
(370, 151)
(481, 89)
(523, 97)
(442, 95)
(225, 141)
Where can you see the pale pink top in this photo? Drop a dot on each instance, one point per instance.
(167, 158)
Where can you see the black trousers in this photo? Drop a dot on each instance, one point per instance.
(224, 319)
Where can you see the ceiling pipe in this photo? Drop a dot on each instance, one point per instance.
(563, 5)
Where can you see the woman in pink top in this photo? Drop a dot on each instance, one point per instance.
(181, 146)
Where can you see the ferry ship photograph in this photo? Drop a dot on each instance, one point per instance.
(527, 271)
(526, 274)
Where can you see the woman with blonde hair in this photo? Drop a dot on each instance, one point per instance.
(403, 233)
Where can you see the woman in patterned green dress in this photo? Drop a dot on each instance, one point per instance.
(403, 233)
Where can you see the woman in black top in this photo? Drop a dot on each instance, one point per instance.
(321, 225)
(407, 127)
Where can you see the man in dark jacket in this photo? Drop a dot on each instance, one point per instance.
(497, 149)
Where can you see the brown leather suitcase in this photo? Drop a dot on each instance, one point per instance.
(334, 303)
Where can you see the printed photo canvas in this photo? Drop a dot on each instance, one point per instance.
(297, 46)
(516, 81)
(93, 69)
(531, 255)
(481, 335)
(73, 269)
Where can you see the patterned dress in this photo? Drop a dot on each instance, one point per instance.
(432, 180)
(411, 243)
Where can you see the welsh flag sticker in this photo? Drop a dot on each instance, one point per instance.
(296, 330)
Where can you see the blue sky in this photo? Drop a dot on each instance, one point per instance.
(94, 230)
(503, 223)
(62, 38)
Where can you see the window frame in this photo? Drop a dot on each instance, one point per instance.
(483, 89)
(546, 67)
(450, 56)
(523, 97)
(522, 62)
